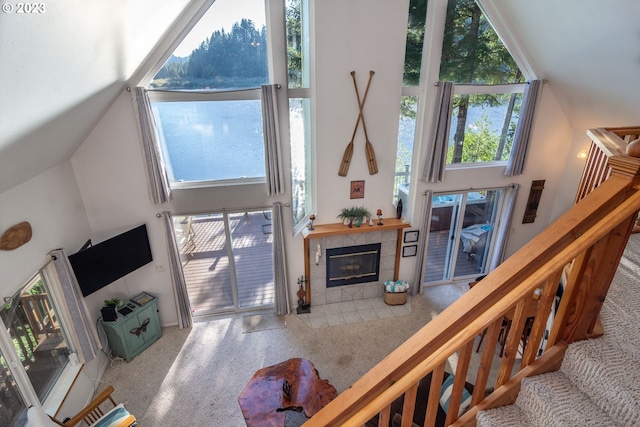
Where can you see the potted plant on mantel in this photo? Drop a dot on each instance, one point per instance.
(354, 214)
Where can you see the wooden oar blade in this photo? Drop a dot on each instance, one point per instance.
(346, 160)
(371, 159)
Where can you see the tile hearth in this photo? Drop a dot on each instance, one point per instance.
(347, 312)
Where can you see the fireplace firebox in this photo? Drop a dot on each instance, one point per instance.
(353, 264)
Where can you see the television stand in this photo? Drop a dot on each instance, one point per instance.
(131, 334)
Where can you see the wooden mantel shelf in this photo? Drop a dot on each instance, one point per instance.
(337, 229)
(325, 230)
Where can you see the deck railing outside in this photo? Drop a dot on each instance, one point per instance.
(584, 246)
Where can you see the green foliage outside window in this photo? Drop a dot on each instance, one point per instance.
(472, 54)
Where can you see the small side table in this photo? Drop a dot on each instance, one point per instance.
(263, 394)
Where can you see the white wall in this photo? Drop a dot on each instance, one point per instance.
(51, 203)
(110, 174)
(62, 68)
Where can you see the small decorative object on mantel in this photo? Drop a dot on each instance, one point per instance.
(15, 236)
(379, 213)
(399, 209)
(312, 218)
(354, 214)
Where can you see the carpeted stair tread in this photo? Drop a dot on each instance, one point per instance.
(552, 400)
(504, 416)
(607, 376)
(620, 316)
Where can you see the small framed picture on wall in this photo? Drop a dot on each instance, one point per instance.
(411, 236)
(357, 189)
(410, 250)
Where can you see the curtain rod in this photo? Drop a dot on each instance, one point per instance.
(278, 86)
(512, 185)
(240, 209)
(489, 85)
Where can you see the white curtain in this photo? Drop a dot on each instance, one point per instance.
(64, 281)
(272, 144)
(523, 130)
(422, 243)
(505, 225)
(436, 159)
(157, 180)
(282, 303)
(185, 320)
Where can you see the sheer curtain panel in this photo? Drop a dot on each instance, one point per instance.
(282, 303)
(272, 144)
(503, 231)
(523, 130)
(436, 159)
(185, 320)
(83, 331)
(157, 180)
(422, 243)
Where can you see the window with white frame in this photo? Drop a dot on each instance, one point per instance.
(34, 349)
(206, 97)
(299, 88)
(460, 46)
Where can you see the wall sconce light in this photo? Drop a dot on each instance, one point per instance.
(583, 154)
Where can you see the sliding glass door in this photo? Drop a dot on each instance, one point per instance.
(227, 260)
(461, 234)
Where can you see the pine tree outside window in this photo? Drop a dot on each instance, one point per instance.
(206, 97)
(451, 40)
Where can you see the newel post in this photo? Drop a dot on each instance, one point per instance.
(592, 272)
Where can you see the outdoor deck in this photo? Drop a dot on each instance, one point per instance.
(207, 270)
(436, 259)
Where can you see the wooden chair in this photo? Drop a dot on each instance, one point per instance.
(90, 414)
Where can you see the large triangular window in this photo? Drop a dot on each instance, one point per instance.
(488, 86)
(461, 47)
(207, 104)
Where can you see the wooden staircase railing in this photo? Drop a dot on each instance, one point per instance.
(605, 144)
(586, 244)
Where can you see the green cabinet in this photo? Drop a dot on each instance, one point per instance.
(129, 335)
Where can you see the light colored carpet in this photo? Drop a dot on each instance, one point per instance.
(194, 376)
(262, 322)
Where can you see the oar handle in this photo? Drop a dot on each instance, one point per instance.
(360, 104)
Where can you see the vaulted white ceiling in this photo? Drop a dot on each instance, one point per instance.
(587, 50)
(61, 70)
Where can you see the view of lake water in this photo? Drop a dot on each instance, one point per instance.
(475, 113)
(201, 137)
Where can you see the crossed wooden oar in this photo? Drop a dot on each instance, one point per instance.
(348, 152)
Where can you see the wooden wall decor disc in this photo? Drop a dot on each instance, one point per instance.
(15, 236)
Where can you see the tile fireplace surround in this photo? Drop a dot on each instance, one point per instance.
(338, 235)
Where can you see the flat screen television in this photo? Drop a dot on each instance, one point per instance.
(99, 265)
